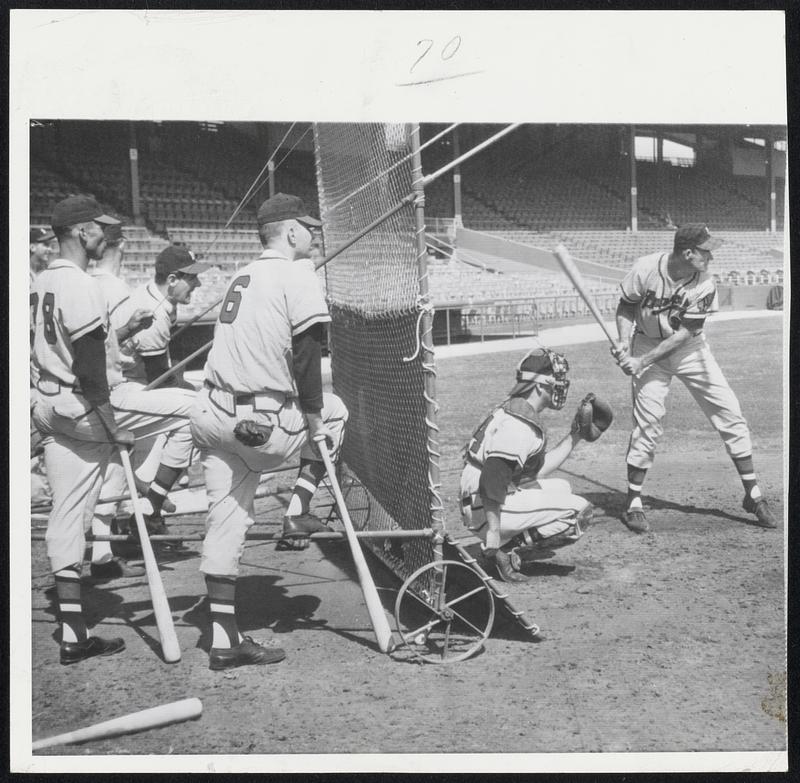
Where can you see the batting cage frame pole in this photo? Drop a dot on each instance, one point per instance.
(426, 345)
(467, 155)
(255, 535)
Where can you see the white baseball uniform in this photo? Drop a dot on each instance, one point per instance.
(513, 432)
(152, 341)
(661, 304)
(67, 304)
(146, 413)
(249, 376)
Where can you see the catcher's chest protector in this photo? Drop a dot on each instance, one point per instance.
(519, 409)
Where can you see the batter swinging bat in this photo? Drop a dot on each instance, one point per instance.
(175, 711)
(166, 629)
(374, 606)
(576, 278)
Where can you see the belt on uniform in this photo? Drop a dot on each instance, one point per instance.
(50, 385)
(243, 398)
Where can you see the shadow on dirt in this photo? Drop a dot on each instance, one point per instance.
(613, 503)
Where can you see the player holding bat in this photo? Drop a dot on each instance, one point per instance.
(665, 300)
(262, 403)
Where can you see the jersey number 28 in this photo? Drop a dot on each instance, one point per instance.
(230, 307)
(48, 308)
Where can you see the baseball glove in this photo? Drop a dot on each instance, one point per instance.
(592, 418)
(251, 433)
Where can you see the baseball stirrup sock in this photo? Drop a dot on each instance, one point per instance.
(162, 484)
(221, 601)
(635, 482)
(747, 473)
(305, 486)
(70, 608)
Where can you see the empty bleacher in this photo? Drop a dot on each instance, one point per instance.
(539, 185)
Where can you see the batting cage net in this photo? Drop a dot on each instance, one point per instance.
(363, 172)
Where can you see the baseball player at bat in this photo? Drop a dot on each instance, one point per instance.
(146, 413)
(262, 403)
(666, 298)
(506, 499)
(72, 408)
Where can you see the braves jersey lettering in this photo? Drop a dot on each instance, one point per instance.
(663, 303)
(270, 301)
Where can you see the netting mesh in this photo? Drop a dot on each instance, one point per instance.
(363, 170)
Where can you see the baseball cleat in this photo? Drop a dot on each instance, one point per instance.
(635, 520)
(74, 652)
(246, 653)
(302, 525)
(116, 568)
(764, 516)
(505, 570)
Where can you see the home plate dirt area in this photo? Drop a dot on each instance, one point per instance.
(669, 641)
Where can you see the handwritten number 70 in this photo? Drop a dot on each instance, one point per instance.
(448, 50)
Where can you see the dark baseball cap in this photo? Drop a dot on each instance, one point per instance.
(284, 207)
(79, 209)
(41, 235)
(695, 235)
(176, 258)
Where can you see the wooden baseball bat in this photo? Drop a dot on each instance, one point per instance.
(380, 625)
(175, 711)
(576, 278)
(166, 628)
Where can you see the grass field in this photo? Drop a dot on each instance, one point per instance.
(670, 641)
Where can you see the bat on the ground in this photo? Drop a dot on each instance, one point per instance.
(380, 625)
(175, 711)
(166, 628)
(576, 278)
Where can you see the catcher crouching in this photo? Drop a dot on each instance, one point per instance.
(505, 498)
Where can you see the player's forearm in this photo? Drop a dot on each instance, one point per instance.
(491, 510)
(89, 366)
(625, 321)
(665, 347)
(307, 368)
(556, 456)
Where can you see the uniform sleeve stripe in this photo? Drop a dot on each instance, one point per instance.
(86, 328)
(121, 302)
(317, 318)
(157, 352)
(504, 455)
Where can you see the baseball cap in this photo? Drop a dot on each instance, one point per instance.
(175, 258)
(695, 235)
(282, 206)
(41, 235)
(78, 209)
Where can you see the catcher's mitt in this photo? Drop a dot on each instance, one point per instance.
(592, 418)
(251, 433)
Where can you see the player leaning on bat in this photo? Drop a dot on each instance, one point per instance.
(506, 499)
(666, 298)
(72, 408)
(262, 403)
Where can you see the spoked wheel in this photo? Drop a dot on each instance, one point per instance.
(444, 612)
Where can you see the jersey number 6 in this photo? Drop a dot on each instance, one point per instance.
(230, 307)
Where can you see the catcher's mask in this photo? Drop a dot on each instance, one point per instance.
(545, 367)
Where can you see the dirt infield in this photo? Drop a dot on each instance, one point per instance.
(670, 641)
